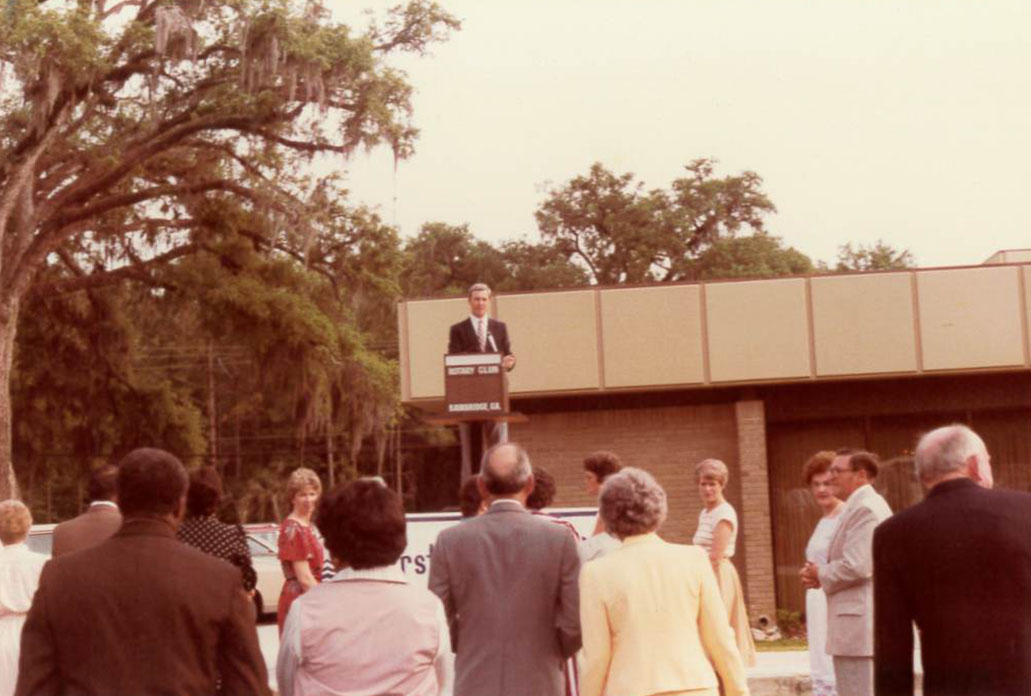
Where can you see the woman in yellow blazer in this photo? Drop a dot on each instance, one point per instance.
(651, 611)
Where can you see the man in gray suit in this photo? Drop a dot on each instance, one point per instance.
(847, 578)
(508, 581)
(100, 521)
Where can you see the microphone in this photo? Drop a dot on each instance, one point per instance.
(490, 337)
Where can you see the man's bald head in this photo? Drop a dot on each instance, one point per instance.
(506, 470)
(952, 451)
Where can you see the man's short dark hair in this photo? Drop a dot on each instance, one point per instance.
(363, 523)
(103, 483)
(602, 465)
(150, 482)
(469, 498)
(544, 489)
(865, 460)
(205, 491)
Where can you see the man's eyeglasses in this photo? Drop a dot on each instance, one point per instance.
(834, 470)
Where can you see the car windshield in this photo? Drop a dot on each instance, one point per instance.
(262, 543)
(40, 543)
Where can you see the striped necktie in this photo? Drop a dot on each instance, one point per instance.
(481, 335)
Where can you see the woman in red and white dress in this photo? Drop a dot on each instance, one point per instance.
(300, 550)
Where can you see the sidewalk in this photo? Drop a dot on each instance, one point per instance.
(776, 673)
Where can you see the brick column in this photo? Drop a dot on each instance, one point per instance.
(756, 529)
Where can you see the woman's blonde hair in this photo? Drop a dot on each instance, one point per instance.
(299, 478)
(714, 468)
(15, 522)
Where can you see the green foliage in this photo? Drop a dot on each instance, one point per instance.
(79, 399)
(137, 135)
(445, 260)
(873, 257)
(621, 233)
(755, 256)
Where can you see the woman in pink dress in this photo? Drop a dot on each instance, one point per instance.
(300, 551)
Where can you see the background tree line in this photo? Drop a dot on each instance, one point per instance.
(174, 271)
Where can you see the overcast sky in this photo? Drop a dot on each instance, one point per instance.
(905, 121)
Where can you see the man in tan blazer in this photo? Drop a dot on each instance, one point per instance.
(141, 613)
(651, 613)
(100, 521)
(847, 578)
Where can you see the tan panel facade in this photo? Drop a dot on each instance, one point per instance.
(652, 336)
(863, 324)
(699, 334)
(971, 318)
(555, 339)
(428, 323)
(757, 330)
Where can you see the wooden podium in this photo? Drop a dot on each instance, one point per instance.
(476, 398)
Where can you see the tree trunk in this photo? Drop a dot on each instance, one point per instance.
(8, 328)
(329, 458)
(212, 409)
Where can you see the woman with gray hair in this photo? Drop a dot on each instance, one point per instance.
(19, 578)
(661, 599)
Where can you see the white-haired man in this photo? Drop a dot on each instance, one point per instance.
(958, 564)
(508, 580)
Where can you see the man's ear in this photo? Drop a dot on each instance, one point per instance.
(180, 509)
(482, 488)
(528, 488)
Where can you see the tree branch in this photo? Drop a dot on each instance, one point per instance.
(136, 271)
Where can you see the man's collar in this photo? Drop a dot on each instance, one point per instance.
(147, 526)
(104, 503)
(858, 493)
(390, 573)
(952, 485)
(476, 320)
(506, 504)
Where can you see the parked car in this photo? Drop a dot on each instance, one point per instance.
(41, 538)
(262, 539)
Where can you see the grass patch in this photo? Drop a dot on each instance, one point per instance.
(782, 644)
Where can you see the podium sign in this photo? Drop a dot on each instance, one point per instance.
(475, 385)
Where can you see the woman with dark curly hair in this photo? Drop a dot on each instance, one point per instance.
(366, 630)
(651, 614)
(202, 530)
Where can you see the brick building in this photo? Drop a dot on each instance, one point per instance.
(760, 374)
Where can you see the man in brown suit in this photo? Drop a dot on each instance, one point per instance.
(101, 519)
(141, 613)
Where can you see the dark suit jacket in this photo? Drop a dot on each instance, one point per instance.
(462, 338)
(90, 528)
(140, 613)
(509, 580)
(959, 565)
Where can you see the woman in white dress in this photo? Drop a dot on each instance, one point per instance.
(717, 534)
(817, 477)
(19, 577)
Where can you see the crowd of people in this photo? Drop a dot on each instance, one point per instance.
(148, 592)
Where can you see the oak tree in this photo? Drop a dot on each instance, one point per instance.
(121, 118)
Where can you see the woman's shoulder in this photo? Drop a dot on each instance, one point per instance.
(724, 511)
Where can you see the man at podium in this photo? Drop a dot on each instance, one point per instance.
(480, 334)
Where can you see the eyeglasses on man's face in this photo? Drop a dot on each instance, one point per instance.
(835, 470)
